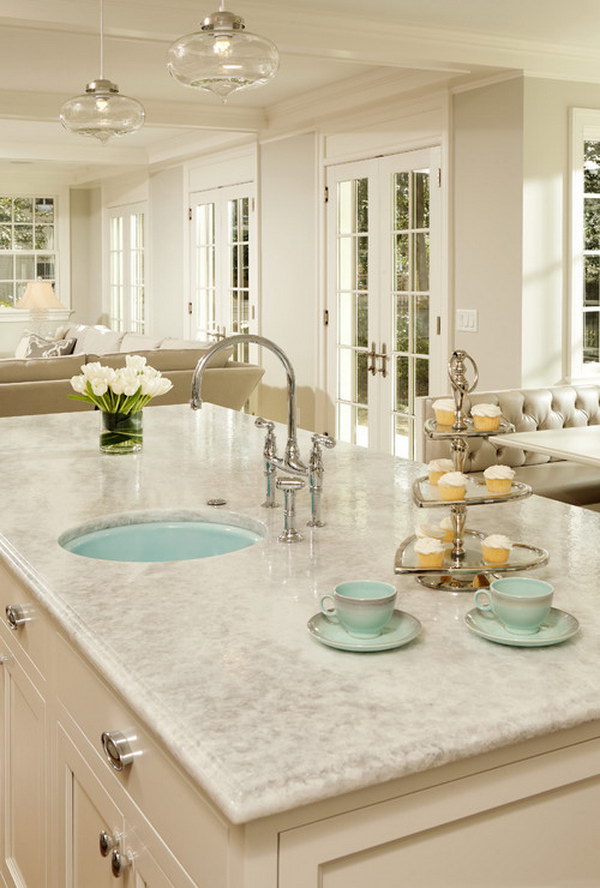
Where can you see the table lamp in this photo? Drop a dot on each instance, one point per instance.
(39, 296)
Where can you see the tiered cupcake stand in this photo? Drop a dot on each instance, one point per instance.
(464, 569)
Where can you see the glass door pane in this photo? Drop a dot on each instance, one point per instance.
(238, 249)
(352, 294)
(204, 293)
(410, 241)
(116, 272)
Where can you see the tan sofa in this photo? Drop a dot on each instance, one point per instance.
(41, 385)
(529, 410)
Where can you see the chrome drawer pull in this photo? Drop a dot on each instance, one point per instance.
(119, 862)
(15, 616)
(117, 749)
(106, 843)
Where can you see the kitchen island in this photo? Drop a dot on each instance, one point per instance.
(294, 764)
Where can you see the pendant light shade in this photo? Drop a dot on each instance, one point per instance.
(222, 56)
(102, 111)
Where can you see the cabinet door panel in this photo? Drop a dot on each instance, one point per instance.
(86, 809)
(25, 792)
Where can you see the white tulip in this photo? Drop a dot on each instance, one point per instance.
(90, 371)
(78, 383)
(99, 387)
(135, 362)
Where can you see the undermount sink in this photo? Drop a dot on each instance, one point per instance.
(162, 536)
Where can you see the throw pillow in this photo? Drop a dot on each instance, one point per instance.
(39, 347)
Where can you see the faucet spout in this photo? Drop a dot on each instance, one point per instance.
(291, 461)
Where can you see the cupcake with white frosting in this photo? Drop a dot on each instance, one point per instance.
(496, 548)
(486, 417)
(429, 531)
(445, 411)
(430, 552)
(439, 467)
(447, 526)
(498, 479)
(453, 486)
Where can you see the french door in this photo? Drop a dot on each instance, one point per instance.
(127, 274)
(223, 264)
(384, 298)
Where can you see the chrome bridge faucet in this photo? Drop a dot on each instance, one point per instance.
(290, 463)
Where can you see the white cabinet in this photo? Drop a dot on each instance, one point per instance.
(24, 832)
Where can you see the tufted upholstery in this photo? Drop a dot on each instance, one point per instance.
(530, 410)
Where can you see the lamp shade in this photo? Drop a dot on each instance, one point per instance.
(39, 296)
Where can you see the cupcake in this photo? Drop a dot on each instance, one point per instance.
(496, 548)
(445, 411)
(430, 553)
(498, 479)
(429, 531)
(447, 526)
(437, 468)
(486, 417)
(453, 486)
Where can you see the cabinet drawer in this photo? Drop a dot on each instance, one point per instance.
(30, 637)
(188, 824)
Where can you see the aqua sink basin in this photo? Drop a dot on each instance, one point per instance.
(162, 536)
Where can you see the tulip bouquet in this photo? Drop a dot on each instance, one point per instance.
(121, 396)
(126, 390)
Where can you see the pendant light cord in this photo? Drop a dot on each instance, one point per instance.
(222, 6)
(101, 39)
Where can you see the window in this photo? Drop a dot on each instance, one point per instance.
(28, 248)
(222, 246)
(127, 308)
(585, 254)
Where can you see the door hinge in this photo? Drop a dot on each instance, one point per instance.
(438, 325)
(253, 204)
(190, 214)
(190, 308)
(439, 177)
(326, 318)
(326, 194)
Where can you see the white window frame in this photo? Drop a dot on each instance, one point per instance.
(62, 264)
(220, 198)
(126, 211)
(585, 126)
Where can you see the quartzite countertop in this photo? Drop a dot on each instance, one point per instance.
(214, 654)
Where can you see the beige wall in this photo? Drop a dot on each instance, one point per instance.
(487, 226)
(86, 255)
(288, 189)
(168, 288)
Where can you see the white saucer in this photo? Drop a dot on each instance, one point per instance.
(558, 627)
(401, 629)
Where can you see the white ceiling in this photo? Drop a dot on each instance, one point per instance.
(50, 50)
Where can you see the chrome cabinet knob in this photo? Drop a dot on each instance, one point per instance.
(16, 616)
(106, 843)
(119, 862)
(117, 749)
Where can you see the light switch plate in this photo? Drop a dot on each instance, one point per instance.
(466, 320)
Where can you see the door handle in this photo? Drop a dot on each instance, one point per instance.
(372, 358)
(384, 358)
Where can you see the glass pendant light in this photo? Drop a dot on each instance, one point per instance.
(102, 112)
(223, 57)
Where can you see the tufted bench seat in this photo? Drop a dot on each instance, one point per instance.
(529, 410)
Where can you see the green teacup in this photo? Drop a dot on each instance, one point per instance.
(363, 607)
(520, 603)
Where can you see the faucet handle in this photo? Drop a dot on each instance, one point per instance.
(323, 440)
(262, 423)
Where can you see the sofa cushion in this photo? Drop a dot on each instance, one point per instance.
(38, 347)
(165, 360)
(99, 340)
(136, 342)
(30, 369)
(219, 360)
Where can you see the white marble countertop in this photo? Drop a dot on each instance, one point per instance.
(214, 654)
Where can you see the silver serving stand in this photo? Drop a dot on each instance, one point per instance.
(464, 570)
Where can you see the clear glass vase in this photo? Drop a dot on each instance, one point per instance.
(121, 432)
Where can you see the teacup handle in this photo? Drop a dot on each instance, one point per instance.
(330, 614)
(484, 606)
